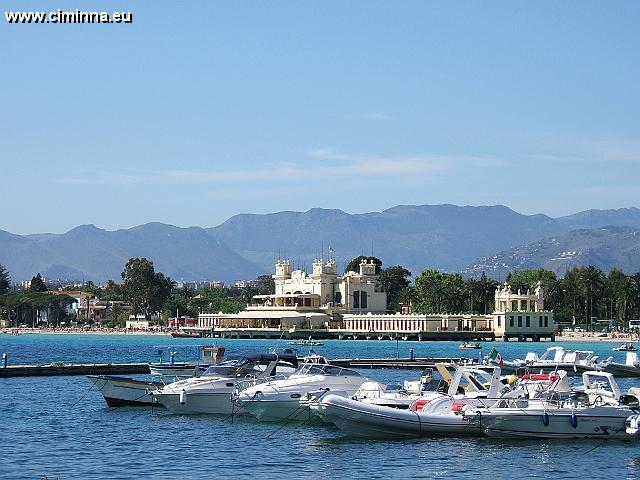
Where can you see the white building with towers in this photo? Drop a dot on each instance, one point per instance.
(324, 289)
(307, 300)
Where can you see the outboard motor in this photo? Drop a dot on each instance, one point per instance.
(632, 424)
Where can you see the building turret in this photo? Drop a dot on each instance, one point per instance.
(283, 270)
(367, 268)
(330, 268)
(318, 267)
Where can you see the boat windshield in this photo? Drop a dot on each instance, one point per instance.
(225, 369)
(319, 369)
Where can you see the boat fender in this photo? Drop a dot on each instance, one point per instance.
(545, 419)
(183, 397)
(574, 420)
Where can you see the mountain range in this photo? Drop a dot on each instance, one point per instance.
(470, 239)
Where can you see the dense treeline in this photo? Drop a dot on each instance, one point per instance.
(143, 291)
(582, 296)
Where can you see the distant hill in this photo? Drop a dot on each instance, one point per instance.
(604, 247)
(446, 237)
(90, 253)
(622, 217)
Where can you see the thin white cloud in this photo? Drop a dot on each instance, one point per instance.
(327, 163)
(550, 147)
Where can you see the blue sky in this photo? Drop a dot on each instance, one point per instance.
(201, 110)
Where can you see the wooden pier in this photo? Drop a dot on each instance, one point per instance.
(73, 369)
(400, 363)
(136, 368)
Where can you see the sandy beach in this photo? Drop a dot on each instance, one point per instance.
(597, 337)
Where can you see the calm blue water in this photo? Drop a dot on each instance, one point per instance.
(58, 426)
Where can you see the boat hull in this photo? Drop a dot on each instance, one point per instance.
(213, 403)
(278, 410)
(622, 370)
(595, 423)
(122, 391)
(360, 419)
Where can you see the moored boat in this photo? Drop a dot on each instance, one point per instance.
(437, 412)
(123, 391)
(280, 399)
(557, 357)
(626, 347)
(631, 367)
(597, 409)
(211, 392)
(208, 356)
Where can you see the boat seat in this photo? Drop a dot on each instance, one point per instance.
(579, 398)
(630, 401)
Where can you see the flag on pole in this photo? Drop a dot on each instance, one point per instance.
(496, 357)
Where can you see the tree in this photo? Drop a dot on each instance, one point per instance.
(37, 284)
(592, 281)
(144, 288)
(178, 304)
(429, 290)
(481, 293)
(114, 314)
(354, 265)
(524, 280)
(220, 300)
(5, 280)
(111, 292)
(266, 285)
(453, 293)
(394, 280)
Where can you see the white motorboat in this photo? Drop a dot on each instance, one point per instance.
(211, 392)
(123, 391)
(626, 347)
(208, 356)
(280, 400)
(576, 361)
(597, 409)
(433, 413)
(527, 418)
(631, 367)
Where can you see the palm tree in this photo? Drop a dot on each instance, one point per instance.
(592, 281)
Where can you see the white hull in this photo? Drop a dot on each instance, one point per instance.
(596, 422)
(218, 403)
(280, 400)
(121, 391)
(360, 419)
(278, 410)
(622, 370)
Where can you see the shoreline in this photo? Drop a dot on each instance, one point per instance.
(567, 337)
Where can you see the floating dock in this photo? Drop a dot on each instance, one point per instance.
(400, 363)
(73, 369)
(134, 368)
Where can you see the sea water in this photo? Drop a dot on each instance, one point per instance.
(60, 426)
